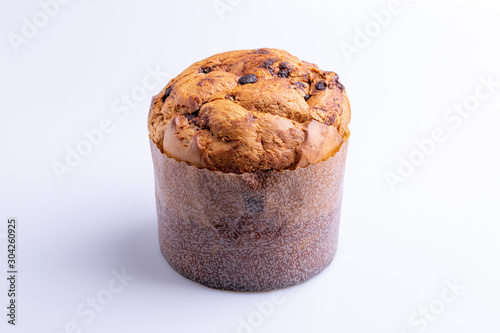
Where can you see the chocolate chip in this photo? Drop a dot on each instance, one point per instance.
(261, 51)
(321, 85)
(269, 62)
(206, 81)
(248, 78)
(284, 70)
(307, 96)
(320, 108)
(201, 122)
(189, 116)
(283, 73)
(205, 70)
(330, 120)
(300, 85)
(307, 77)
(167, 93)
(337, 83)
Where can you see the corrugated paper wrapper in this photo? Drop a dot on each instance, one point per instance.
(248, 232)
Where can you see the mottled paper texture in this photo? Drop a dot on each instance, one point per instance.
(248, 232)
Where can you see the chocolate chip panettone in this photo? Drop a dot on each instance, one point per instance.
(248, 111)
(249, 150)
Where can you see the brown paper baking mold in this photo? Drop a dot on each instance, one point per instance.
(248, 232)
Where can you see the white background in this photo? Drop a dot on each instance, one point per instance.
(397, 247)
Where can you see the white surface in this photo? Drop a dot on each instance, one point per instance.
(397, 248)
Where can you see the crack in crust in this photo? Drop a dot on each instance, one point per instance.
(251, 110)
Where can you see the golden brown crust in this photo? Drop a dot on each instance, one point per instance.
(251, 110)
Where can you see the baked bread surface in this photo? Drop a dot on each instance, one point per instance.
(251, 110)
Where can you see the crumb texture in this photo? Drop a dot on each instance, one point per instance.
(251, 110)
